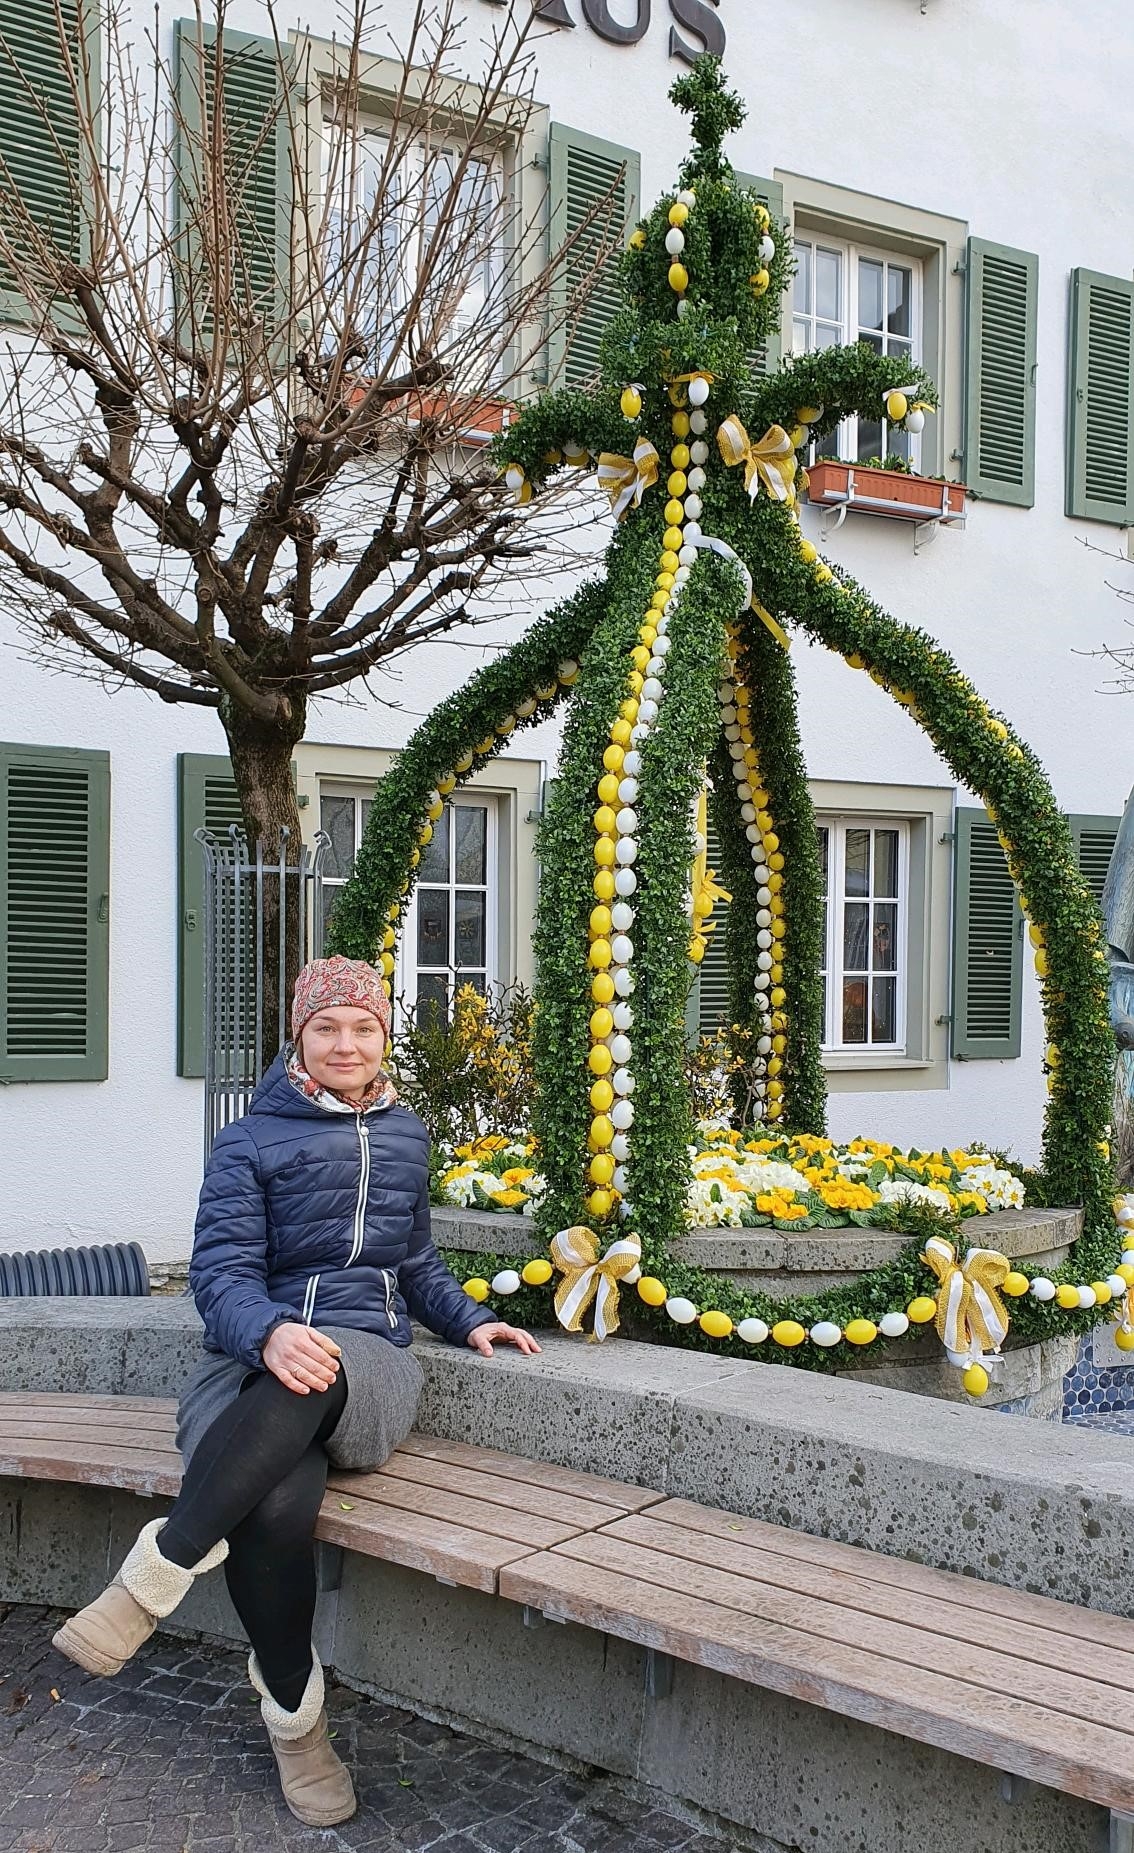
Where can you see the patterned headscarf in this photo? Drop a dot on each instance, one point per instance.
(328, 984)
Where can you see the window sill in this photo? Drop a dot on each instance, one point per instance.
(840, 1061)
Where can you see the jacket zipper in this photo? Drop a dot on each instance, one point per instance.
(363, 1188)
(309, 1299)
(391, 1315)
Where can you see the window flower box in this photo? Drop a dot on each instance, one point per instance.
(892, 493)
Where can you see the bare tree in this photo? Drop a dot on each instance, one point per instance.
(232, 459)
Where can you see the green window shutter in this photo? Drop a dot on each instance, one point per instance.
(582, 170)
(712, 976)
(988, 944)
(1001, 301)
(54, 913)
(257, 157)
(206, 800)
(1094, 840)
(1100, 399)
(41, 149)
(766, 358)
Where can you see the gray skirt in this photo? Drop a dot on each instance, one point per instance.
(383, 1386)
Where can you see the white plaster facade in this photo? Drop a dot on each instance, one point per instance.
(1011, 120)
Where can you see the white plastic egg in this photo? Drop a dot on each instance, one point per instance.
(622, 1115)
(647, 712)
(675, 241)
(752, 1331)
(893, 1325)
(698, 452)
(632, 765)
(507, 1281)
(622, 949)
(627, 790)
(623, 1082)
(620, 1049)
(621, 917)
(825, 1334)
(620, 1147)
(698, 391)
(627, 821)
(622, 1013)
(624, 981)
(625, 882)
(682, 1312)
(1042, 1289)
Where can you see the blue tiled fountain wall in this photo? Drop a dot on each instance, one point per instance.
(1098, 1392)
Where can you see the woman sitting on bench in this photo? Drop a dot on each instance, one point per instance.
(312, 1252)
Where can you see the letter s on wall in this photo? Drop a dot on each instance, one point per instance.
(699, 18)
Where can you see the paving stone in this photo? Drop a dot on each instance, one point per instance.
(170, 1757)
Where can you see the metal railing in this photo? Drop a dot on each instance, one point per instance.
(241, 888)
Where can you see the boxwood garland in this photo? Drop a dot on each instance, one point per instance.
(645, 345)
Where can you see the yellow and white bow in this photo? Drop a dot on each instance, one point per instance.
(771, 463)
(704, 880)
(971, 1316)
(586, 1277)
(626, 479)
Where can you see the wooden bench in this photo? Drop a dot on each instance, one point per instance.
(1037, 1689)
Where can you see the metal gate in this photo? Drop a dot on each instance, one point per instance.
(238, 952)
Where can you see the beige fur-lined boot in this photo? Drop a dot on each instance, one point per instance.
(316, 1786)
(110, 1630)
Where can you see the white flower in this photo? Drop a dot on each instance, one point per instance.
(904, 1190)
(1001, 1190)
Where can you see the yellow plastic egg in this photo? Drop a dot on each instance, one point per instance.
(697, 949)
(921, 1310)
(477, 1289)
(602, 987)
(604, 820)
(604, 852)
(599, 1203)
(1067, 1296)
(678, 212)
(1102, 1292)
(760, 281)
(860, 1332)
(1014, 1284)
(672, 537)
(680, 456)
(715, 1325)
(788, 1332)
(1036, 935)
(388, 938)
(678, 278)
(601, 1168)
(679, 424)
(975, 1380)
(778, 996)
(631, 402)
(602, 1096)
(604, 891)
(601, 1134)
(613, 756)
(678, 483)
(599, 957)
(674, 512)
(652, 1291)
(1124, 1340)
(1125, 1271)
(807, 552)
(669, 561)
(608, 788)
(536, 1273)
(600, 1060)
(897, 405)
(601, 1020)
(388, 963)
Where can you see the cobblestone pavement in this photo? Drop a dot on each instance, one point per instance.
(171, 1757)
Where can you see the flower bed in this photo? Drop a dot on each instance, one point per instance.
(786, 1182)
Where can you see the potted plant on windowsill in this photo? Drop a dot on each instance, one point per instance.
(885, 486)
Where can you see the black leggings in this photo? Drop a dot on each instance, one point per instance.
(257, 1478)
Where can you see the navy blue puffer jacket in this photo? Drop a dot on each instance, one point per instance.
(321, 1217)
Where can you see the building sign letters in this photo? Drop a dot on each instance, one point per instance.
(695, 25)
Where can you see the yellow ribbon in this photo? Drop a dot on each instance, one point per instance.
(771, 463)
(766, 618)
(626, 479)
(971, 1316)
(586, 1277)
(704, 880)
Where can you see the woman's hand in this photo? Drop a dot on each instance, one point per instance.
(302, 1359)
(481, 1337)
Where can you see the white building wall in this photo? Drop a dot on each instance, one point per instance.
(1015, 119)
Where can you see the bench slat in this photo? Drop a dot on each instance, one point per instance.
(464, 1556)
(532, 1473)
(28, 1436)
(495, 1489)
(55, 1421)
(861, 1589)
(967, 1591)
(51, 1399)
(145, 1469)
(518, 1525)
(963, 1659)
(1075, 1755)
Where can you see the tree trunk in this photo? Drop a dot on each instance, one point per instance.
(261, 761)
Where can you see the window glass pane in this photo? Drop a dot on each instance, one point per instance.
(885, 944)
(829, 285)
(886, 864)
(801, 288)
(883, 1016)
(828, 334)
(824, 836)
(432, 926)
(432, 998)
(873, 342)
(899, 292)
(331, 893)
(336, 817)
(869, 294)
(434, 864)
(869, 439)
(897, 443)
(366, 806)
(800, 336)
(856, 926)
(857, 862)
(470, 911)
(854, 1009)
(471, 833)
(478, 980)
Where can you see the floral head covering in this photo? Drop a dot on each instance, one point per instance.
(329, 984)
(326, 984)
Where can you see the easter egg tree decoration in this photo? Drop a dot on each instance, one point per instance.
(674, 668)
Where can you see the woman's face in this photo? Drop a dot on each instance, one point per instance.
(342, 1049)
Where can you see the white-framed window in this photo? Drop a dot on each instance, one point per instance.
(865, 863)
(844, 293)
(450, 932)
(376, 273)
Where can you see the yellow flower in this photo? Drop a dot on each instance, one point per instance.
(516, 1174)
(508, 1199)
